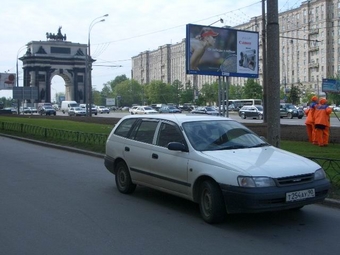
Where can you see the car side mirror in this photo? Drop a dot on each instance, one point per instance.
(176, 146)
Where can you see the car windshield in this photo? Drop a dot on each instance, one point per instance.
(209, 109)
(259, 107)
(209, 135)
(148, 108)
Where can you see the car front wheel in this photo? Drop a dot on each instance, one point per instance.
(123, 179)
(290, 115)
(243, 116)
(211, 202)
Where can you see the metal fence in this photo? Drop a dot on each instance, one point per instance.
(66, 135)
(331, 166)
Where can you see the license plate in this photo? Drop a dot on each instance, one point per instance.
(300, 195)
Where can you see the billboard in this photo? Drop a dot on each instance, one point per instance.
(221, 51)
(7, 80)
(331, 85)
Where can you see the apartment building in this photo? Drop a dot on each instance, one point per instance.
(309, 50)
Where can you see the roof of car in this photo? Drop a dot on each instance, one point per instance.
(177, 118)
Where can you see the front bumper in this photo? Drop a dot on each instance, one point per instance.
(252, 200)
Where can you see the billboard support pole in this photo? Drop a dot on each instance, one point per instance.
(227, 94)
(219, 96)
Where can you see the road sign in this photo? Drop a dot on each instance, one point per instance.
(25, 93)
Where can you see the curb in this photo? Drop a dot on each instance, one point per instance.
(330, 202)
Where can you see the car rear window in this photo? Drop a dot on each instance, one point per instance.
(145, 131)
(124, 128)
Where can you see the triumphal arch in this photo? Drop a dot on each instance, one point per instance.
(56, 56)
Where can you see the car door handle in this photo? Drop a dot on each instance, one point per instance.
(154, 155)
(127, 149)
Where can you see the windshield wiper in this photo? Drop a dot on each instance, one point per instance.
(259, 145)
(231, 147)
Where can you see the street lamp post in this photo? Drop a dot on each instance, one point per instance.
(88, 67)
(17, 74)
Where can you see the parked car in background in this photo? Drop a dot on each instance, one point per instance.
(28, 110)
(205, 110)
(145, 110)
(13, 110)
(290, 111)
(103, 109)
(336, 108)
(251, 111)
(47, 110)
(215, 162)
(76, 111)
(93, 108)
(125, 108)
(66, 105)
(169, 109)
(133, 109)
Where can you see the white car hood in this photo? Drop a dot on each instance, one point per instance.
(265, 161)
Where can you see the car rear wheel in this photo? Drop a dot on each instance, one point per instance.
(211, 202)
(243, 116)
(123, 179)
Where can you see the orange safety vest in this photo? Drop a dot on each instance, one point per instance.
(321, 115)
(310, 113)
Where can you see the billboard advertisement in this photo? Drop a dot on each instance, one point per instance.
(331, 85)
(7, 80)
(221, 51)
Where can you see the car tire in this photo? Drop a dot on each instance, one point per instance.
(211, 202)
(260, 117)
(300, 117)
(289, 115)
(243, 116)
(123, 179)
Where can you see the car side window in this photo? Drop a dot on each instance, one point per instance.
(169, 133)
(145, 131)
(124, 128)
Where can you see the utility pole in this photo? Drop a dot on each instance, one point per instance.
(273, 56)
(264, 63)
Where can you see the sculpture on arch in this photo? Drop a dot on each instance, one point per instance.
(56, 37)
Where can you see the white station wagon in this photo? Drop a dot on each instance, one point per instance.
(213, 161)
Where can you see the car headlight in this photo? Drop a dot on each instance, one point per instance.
(255, 182)
(319, 174)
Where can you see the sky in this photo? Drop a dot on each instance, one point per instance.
(132, 27)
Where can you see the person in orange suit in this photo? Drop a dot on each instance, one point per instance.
(310, 120)
(322, 122)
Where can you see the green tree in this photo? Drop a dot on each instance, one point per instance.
(187, 94)
(116, 81)
(129, 91)
(294, 95)
(236, 91)
(209, 93)
(252, 89)
(156, 92)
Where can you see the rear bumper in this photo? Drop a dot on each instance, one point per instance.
(109, 163)
(252, 200)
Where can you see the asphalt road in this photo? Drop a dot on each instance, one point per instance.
(59, 202)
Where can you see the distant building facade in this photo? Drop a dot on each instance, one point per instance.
(309, 51)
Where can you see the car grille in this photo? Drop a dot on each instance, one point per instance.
(296, 179)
